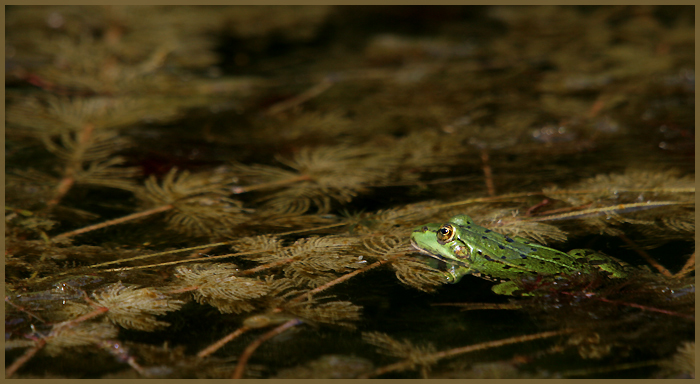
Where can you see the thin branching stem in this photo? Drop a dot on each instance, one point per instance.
(565, 192)
(160, 254)
(402, 365)
(28, 354)
(565, 209)
(212, 246)
(245, 356)
(688, 267)
(479, 306)
(226, 339)
(183, 290)
(267, 266)
(58, 328)
(617, 208)
(22, 309)
(488, 174)
(218, 257)
(646, 308)
(70, 323)
(73, 166)
(617, 367)
(200, 247)
(271, 184)
(120, 220)
(646, 256)
(343, 278)
(303, 97)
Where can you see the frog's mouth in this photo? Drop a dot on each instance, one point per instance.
(438, 256)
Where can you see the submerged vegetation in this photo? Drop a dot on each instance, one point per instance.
(224, 192)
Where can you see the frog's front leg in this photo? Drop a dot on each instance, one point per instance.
(506, 288)
(455, 273)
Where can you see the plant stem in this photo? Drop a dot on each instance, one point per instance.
(343, 278)
(22, 309)
(67, 324)
(479, 306)
(17, 364)
(73, 166)
(120, 220)
(645, 308)
(646, 256)
(470, 348)
(271, 184)
(301, 98)
(243, 360)
(204, 258)
(618, 208)
(214, 347)
(619, 367)
(488, 174)
(688, 267)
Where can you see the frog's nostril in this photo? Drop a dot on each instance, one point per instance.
(425, 228)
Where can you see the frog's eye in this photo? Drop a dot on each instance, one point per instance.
(445, 234)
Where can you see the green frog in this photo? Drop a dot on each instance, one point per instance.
(470, 249)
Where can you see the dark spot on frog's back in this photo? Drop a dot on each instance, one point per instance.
(524, 256)
(508, 239)
(501, 246)
(596, 262)
(487, 231)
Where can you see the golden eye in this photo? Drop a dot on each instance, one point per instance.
(445, 234)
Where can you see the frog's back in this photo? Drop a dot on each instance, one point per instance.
(488, 246)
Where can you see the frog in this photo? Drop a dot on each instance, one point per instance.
(471, 249)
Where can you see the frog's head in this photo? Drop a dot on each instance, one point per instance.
(442, 241)
(461, 220)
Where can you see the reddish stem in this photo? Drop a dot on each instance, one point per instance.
(22, 309)
(687, 268)
(646, 256)
(73, 166)
(645, 308)
(243, 360)
(120, 220)
(214, 347)
(17, 364)
(343, 278)
(488, 174)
